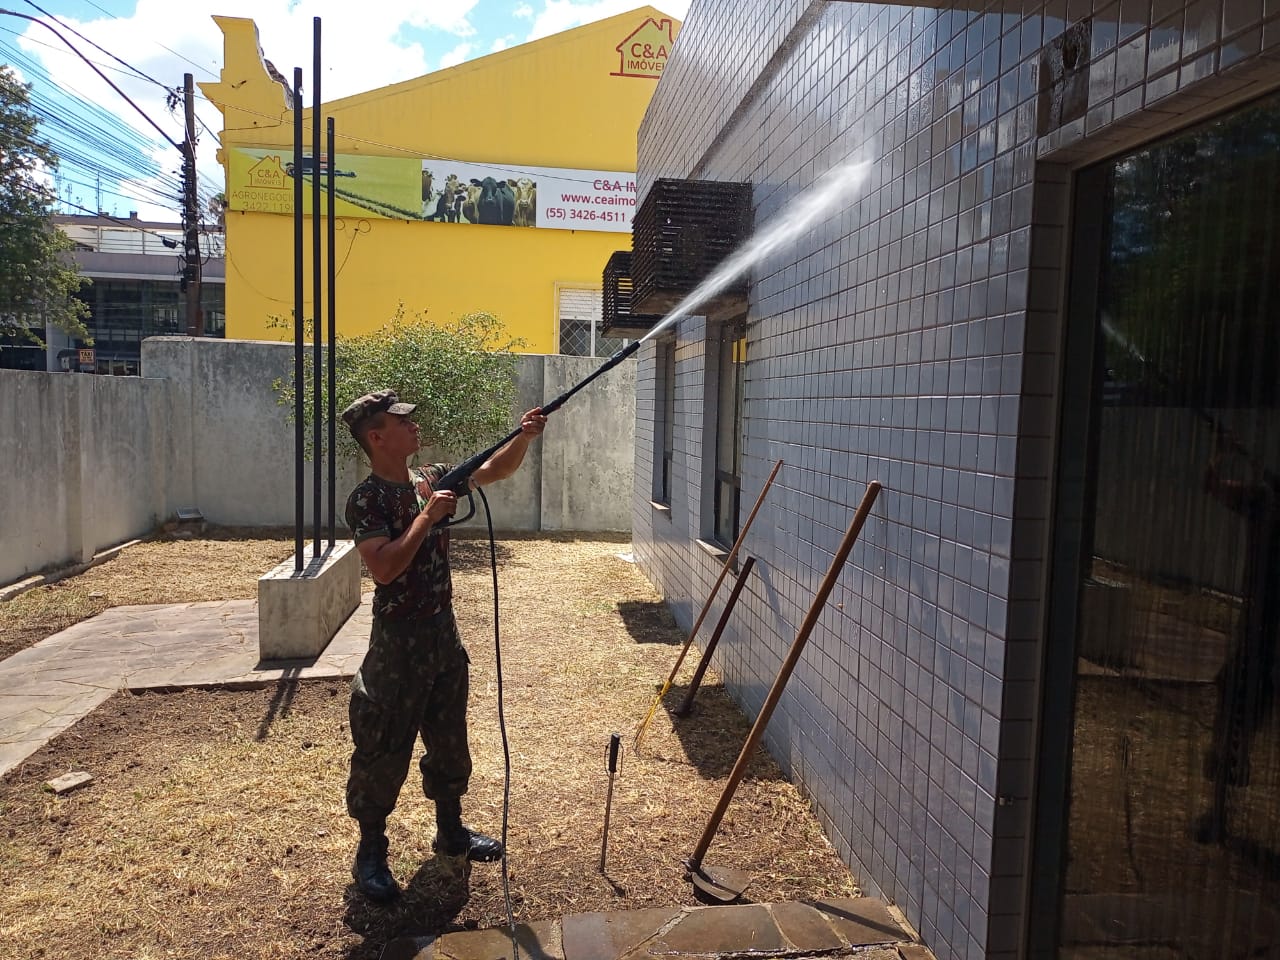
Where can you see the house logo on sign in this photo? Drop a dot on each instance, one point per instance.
(645, 51)
(267, 174)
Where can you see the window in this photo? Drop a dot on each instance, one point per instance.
(580, 325)
(732, 362)
(664, 431)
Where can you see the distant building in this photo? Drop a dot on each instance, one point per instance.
(135, 292)
(500, 185)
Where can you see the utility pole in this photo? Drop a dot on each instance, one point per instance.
(191, 216)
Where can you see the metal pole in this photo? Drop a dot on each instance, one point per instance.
(706, 607)
(317, 327)
(191, 214)
(333, 342)
(615, 744)
(299, 374)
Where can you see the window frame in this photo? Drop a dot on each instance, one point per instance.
(664, 415)
(728, 434)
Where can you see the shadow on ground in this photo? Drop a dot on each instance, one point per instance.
(713, 733)
(428, 905)
(649, 621)
(471, 554)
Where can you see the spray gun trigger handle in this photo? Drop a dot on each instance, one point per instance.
(471, 512)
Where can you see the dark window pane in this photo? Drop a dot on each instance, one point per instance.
(1173, 830)
(664, 427)
(732, 355)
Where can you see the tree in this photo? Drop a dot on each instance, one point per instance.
(36, 286)
(1193, 288)
(462, 376)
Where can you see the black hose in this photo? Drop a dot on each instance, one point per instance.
(502, 726)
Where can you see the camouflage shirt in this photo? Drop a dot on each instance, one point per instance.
(381, 508)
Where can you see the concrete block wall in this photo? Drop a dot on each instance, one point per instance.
(234, 458)
(85, 466)
(93, 461)
(912, 338)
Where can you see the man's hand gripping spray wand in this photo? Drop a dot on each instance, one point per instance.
(458, 480)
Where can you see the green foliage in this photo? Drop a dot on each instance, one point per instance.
(35, 284)
(461, 375)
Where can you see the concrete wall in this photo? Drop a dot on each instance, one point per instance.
(911, 338)
(86, 465)
(94, 461)
(235, 462)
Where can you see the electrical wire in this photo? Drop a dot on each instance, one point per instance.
(89, 138)
(76, 50)
(362, 227)
(157, 42)
(66, 26)
(105, 138)
(108, 146)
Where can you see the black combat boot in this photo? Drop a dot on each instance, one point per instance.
(370, 871)
(454, 839)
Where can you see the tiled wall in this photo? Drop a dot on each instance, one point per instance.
(912, 338)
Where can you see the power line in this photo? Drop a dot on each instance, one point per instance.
(133, 225)
(49, 46)
(144, 76)
(180, 56)
(104, 142)
(106, 79)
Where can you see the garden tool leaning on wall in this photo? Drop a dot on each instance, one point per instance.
(725, 884)
(728, 564)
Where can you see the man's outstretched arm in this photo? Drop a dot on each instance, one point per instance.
(508, 459)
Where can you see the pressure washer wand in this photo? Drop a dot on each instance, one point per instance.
(608, 365)
(458, 479)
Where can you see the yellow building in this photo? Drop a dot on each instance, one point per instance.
(502, 184)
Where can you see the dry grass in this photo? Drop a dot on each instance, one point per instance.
(216, 827)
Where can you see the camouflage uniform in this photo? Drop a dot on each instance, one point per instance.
(414, 679)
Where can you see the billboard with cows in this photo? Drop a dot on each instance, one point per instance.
(436, 190)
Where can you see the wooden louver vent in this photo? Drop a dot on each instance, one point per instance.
(617, 318)
(681, 231)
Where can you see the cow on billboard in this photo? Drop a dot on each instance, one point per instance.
(526, 203)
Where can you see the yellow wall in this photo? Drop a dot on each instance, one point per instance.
(549, 103)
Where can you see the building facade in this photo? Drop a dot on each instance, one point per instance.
(134, 291)
(499, 185)
(1037, 711)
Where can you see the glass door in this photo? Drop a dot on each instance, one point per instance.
(1165, 615)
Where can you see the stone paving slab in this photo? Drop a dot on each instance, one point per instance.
(861, 921)
(589, 935)
(49, 686)
(801, 923)
(815, 927)
(861, 925)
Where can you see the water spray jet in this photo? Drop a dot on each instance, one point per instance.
(824, 196)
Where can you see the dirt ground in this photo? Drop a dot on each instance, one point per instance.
(215, 825)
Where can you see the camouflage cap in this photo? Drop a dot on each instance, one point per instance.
(371, 404)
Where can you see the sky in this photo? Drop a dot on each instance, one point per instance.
(117, 161)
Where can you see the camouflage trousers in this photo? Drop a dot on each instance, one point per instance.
(413, 682)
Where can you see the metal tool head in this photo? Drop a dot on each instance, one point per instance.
(718, 884)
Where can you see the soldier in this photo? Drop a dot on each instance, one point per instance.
(414, 679)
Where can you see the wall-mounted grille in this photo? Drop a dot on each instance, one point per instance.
(680, 233)
(617, 318)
